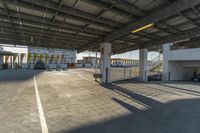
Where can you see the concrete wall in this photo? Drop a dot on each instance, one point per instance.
(180, 64)
(184, 54)
(183, 70)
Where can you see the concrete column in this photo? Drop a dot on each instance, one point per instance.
(143, 65)
(166, 73)
(105, 62)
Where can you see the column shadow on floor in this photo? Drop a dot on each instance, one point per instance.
(180, 116)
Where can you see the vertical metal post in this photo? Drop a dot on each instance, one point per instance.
(146, 77)
(124, 72)
(18, 61)
(11, 64)
(96, 63)
(96, 66)
(106, 75)
(169, 76)
(130, 73)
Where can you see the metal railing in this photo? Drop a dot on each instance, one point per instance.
(155, 62)
(124, 73)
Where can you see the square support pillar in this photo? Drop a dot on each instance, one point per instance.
(105, 62)
(143, 65)
(166, 73)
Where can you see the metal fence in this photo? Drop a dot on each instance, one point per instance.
(122, 73)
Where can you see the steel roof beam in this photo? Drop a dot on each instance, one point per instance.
(98, 16)
(8, 16)
(27, 34)
(183, 36)
(64, 10)
(131, 40)
(153, 17)
(61, 14)
(31, 18)
(42, 43)
(106, 7)
(33, 35)
(169, 28)
(190, 20)
(148, 36)
(36, 30)
(64, 21)
(126, 6)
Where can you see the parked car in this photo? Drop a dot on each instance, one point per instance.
(39, 65)
(117, 64)
(196, 78)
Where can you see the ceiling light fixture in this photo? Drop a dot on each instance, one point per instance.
(143, 28)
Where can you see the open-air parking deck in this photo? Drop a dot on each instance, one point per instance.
(72, 102)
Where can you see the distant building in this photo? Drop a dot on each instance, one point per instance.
(13, 57)
(118, 62)
(88, 62)
(51, 56)
(125, 62)
(21, 56)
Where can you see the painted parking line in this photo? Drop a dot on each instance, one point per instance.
(81, 76)
(40, 110)
(85, 78)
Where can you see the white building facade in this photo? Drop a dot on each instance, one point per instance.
(180, 64)
(49, 56)
(26, 57)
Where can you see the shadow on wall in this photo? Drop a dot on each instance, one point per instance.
(18, 75)
(181, 116)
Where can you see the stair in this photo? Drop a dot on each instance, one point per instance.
(155, 64)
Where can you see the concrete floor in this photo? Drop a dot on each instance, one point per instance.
(73, 103)
(118, 73)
